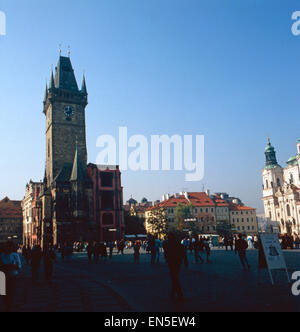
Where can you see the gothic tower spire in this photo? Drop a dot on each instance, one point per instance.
(83, 87)
(52, 85)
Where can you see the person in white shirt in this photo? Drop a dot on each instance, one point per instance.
(10, 264)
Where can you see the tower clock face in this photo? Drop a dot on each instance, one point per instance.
(69, 111)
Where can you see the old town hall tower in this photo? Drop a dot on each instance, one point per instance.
(77, 201)
(64, 107)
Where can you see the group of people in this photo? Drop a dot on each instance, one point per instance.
(174, 249)
(291, 241)
(34, 257)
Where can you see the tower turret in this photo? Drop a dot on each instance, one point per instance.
(270, 153)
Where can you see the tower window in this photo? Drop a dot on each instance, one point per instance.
(106, 179)
(107, 219)
(107, 200)
(288, 210)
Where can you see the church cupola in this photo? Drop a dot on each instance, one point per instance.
(271, 160)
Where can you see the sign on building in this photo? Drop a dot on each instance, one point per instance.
(273, 254)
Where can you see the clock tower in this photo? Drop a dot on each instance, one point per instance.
(64, 108)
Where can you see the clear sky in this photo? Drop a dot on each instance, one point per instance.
(228, 69)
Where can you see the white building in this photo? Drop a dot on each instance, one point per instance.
(281, 190)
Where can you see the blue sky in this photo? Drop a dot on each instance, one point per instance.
(226, 69)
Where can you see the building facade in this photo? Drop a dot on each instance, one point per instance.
(243, 219)
(11, 221)
(281, 190)
(208, 213)
(77, 201)
(31, 227)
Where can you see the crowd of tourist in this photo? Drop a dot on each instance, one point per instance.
(173, 249)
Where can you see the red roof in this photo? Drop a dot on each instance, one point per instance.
(236, 207)
(196, 199)
(219, 201)
(200, 199)
(10, 209)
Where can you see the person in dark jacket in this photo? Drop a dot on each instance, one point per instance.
(241, 246)
(36, 257)
(197, 249)
(49, 257)
(90, 250)
(175, 254)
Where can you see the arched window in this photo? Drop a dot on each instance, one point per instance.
(291, 179)
(278, 182)
(267, 184)
(288, 210)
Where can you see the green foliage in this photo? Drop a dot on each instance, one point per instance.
(223, 228)
(133, 224)
(183, 214)
(158, 221)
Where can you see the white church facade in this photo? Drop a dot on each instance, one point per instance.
(281, 191)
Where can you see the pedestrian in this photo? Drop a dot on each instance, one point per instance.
(26, 253)
(152, 250)
(103, 251)
(121, 246)
(197, 251)
(49, 258)
(220, 242)
(250, 242)
(157, 249)
(36, 257)
(241, 246)
(96, 252)
(110, 246)
(175, 254)
(231, 242)
(136, 248)
(207, 249)
(226, 242)
(10, 264)
(89, 251)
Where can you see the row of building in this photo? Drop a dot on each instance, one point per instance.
(208, 213)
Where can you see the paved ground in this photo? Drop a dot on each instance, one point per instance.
(120, 285)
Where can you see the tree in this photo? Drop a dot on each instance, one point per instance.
(158, 221)
(224, 228)
(185, 218)
(133, 224)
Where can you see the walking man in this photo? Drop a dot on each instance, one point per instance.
(241, 246)
(175, 254)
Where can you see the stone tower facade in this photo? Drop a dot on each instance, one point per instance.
(64, 108)
(72, 201)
